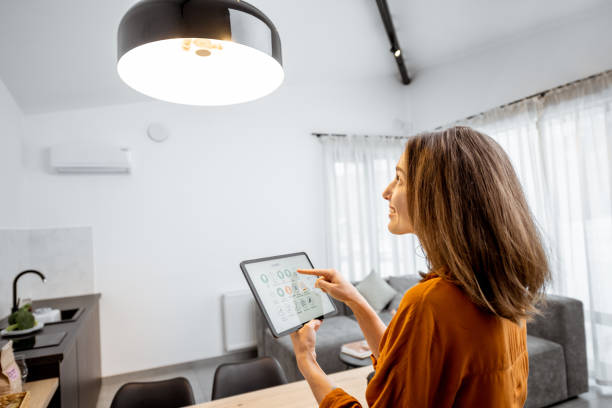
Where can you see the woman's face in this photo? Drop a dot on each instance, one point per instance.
(395, 193)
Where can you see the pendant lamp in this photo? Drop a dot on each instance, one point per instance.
(199, 52)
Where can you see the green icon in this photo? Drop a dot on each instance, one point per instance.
(280, 292)
(287, 273)
(264, 278)
(280, 274)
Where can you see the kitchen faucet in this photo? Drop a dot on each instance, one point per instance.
(15, 300)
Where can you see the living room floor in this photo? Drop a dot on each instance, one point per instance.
(591, 399)
(200, 374)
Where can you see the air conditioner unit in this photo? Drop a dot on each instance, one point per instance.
(90, 158)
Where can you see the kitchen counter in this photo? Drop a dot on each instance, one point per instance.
(41, 392)
(76, 360)
(71, 328)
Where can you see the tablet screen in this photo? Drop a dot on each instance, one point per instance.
(289, 298)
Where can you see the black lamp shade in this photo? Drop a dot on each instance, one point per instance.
(199, 52)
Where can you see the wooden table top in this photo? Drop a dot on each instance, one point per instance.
(41, 391)
(296, 394)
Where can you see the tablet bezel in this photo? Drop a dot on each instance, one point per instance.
(259, 301)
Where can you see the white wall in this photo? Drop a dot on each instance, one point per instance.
(11, 129)
(530, 63)
(232, 183)
(63, 255)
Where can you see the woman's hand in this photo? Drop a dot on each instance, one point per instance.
(339, 288)
(334, 284)
(304, 341)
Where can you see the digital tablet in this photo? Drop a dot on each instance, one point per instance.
(287, 299)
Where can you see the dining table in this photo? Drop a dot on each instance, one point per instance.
(295, 394)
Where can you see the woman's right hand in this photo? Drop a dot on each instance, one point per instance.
(334, 284)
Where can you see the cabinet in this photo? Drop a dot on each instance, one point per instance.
(76, 360)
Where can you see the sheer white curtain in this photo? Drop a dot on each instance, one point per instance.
(561, 148)
(357, 170)
(576, 130)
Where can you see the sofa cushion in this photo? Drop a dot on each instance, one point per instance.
(376, 291)
(562, 321)
(340, 307)
(547, 382)
(385, 316)
(401, 284)
(338, 330)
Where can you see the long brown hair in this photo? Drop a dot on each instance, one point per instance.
(469, 212)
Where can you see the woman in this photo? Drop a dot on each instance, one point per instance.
(458, 338)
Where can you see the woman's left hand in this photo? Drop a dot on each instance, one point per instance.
(305, 339)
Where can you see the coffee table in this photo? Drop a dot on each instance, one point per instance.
(354, 362)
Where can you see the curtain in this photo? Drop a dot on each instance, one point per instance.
(357, 171)
(576, 132)
(561, 148)
(515, 128)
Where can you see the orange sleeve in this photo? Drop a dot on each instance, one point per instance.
(338, 398)
(411, 361)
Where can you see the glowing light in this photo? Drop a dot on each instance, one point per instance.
(200, 71)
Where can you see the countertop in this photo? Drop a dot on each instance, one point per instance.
(56, 353)
(41, 392)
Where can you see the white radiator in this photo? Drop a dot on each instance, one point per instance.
(239, 310)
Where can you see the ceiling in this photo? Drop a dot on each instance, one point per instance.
(438, 31)
(60, 54)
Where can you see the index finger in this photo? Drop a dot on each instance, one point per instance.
(326, 273)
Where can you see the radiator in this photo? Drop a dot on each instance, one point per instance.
(239, 310)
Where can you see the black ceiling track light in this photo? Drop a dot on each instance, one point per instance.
(199, 52)
(383, 8)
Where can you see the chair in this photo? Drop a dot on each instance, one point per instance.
(171, 393)
(238, 378)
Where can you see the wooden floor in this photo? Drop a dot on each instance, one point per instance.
(200, 375)
(595, 398)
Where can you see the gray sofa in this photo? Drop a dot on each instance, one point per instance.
(555, 342)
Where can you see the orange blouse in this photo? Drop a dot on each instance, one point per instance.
(441, 350)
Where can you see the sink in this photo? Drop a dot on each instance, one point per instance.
(68, 315)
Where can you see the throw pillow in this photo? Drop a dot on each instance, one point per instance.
(401, 284)
(376, 291)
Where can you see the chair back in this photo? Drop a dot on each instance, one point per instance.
(238, 378)
(171, 393)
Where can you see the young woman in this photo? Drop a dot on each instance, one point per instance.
(458, 338)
